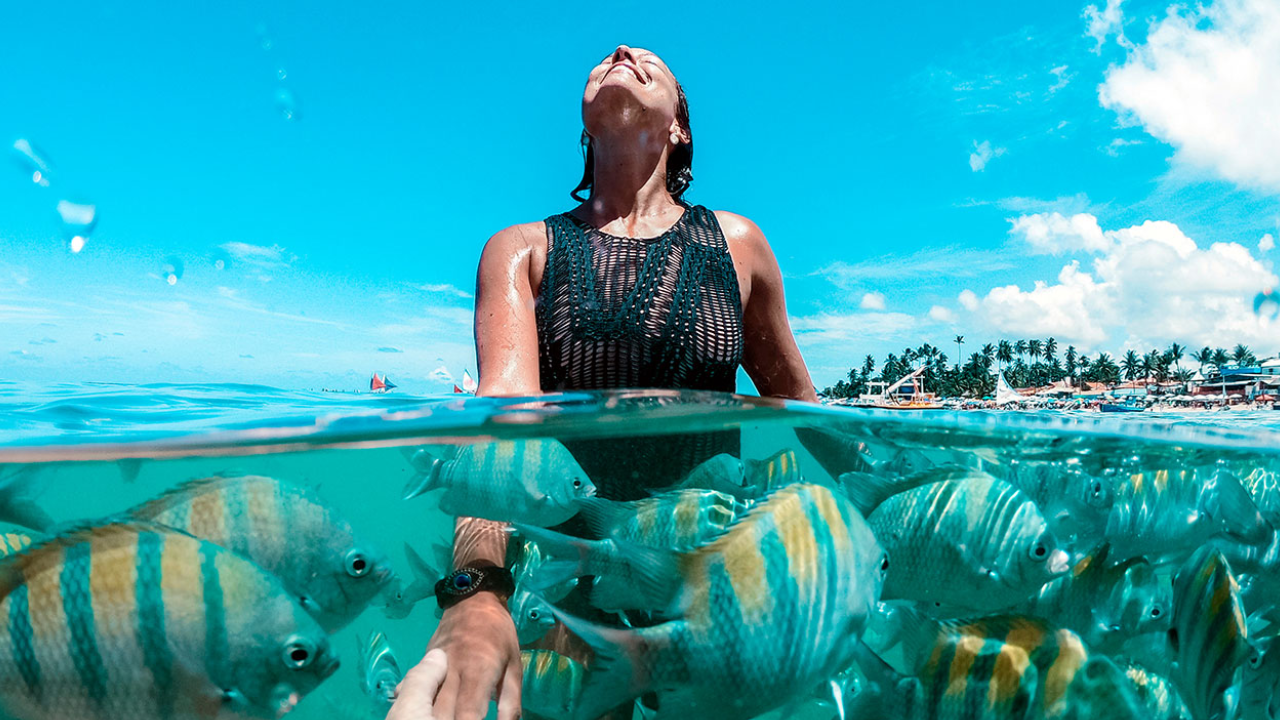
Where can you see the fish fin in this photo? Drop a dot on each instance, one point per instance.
(602, 515)
(16, 504)
(918, 635)
(618, 671)
(1259, 620)
(653, 571)
(180, 493)
(867, 491)
(1233, 508)
(429, 464)
(129, 469)
(423, 574)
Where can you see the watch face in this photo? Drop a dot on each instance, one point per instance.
(464, 581)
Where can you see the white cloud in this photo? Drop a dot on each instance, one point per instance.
(982, 154)
(1054, 234)
(1266, 243)
(1103, 23)
(1206, 82)
(872, 301)
(1148, 284)
(941, 314)
(258, 255)
(843, 329)
(1061, 79)
(444, 289)
(969, 300)
(1115, 146)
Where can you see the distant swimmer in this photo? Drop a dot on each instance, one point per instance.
(633, 288)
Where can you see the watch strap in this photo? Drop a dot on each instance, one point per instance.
(465, 582)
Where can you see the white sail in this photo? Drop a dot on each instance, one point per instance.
(1005, 394)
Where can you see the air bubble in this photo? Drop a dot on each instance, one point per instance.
(1267, 304)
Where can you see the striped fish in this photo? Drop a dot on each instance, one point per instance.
(680, 520)
(1166, 514)
(379, 671)
(1158, 696)
(1263, 485)
(534, 482)
(776, 471)
(984, 536)
(139, 622)
(530, 603)
(1103, 691)
(769, 612)
(1209, 637)
(13, 542)
(722, 473)
(1075, 503)
(551, 685)
(287, 532)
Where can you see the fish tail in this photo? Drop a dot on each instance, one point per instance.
(1233, 508)
(655, 573)
(429, 476)
(620, 666)
(16, 503)
(601, 515)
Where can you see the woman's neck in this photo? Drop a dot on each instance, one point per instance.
(630, 183)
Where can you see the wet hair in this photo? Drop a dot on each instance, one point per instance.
(679, 159)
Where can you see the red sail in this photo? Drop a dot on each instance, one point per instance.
(376, 383)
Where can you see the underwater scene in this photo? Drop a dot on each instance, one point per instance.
(238, 552)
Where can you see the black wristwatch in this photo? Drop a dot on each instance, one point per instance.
(468, 581)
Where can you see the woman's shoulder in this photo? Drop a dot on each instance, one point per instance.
(740, 231)
(519, 236)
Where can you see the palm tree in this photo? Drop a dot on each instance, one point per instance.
(1203, 356)
(1050, 349)
(1243, 356)
(1004, 352)
(959, 342)
(1131, 365)
(1033, 348)
(988, 353)
(1105, 369)
(1072, 363)
(1221, 358)
(1175, 353)
(1020, 347)
(868, 366)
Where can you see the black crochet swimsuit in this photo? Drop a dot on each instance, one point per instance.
(664, 312)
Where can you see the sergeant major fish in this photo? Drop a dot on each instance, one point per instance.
(528, 481)
(680, 520)
(768, 613)
(140, 622)
(551, 685)
(379, 671)
(286, 531)
(984, 536)
(745, 480)
(1209, 637)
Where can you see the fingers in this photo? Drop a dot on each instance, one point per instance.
(474, 696)
(509, 692)
(447, 699)
(416, 693)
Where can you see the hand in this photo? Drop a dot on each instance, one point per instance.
(417, 690)
(479, 637)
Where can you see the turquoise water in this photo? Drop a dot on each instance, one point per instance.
(94, 450)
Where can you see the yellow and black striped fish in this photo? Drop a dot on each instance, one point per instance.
(286, 531)
(140, 622)
(552, 683)
(770, 611)
(13, 542)
(680, 520)
(1209, 636)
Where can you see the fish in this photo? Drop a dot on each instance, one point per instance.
(13, 542)
(1103, 691)
(136, 621)
(1105, 603)
(552, 684)
(286, 531)
(868, 491)
(767, 612)
(680, 520)
(17, 502)
(1209, 637)
(401, 599)
(721, 473)
(986, 537)
(1263, 484)
(778, 470)
(532, 615)
(533, 482)
(379, 671)
(1158, 696)
(1164, 515)
(1260, 684)
(1075, 503)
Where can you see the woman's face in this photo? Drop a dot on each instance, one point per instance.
(631, 87)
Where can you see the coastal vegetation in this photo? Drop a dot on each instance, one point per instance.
(1034, 363)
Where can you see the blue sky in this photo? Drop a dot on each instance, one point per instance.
(1100, 173)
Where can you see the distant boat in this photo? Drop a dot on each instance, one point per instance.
(468, 383)
(891, 397)
(381, 384)
(1121, 407)
(1005, 393)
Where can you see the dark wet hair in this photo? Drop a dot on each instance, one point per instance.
(679, 160)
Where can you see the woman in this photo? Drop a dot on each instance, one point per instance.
(633, 288)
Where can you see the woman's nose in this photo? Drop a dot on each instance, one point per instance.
(623, 53)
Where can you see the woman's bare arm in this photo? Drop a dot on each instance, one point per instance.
(770, 355)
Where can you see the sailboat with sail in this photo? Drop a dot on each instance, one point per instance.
(380, 384)
(907, 393)
(1005, 393)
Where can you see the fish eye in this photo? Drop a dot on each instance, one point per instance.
(357, 564)
(1039, 551)
(577, 484)
(1255, 659)
(1097, 487)
(534, 614)
(884, 562)
(1156, 612)
(298, 653)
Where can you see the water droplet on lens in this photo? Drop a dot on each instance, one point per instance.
(173, 269)
(1267, 304)
(221, 260)
(286, 104)
(33, 161)
(282, 73)
(78, 221)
